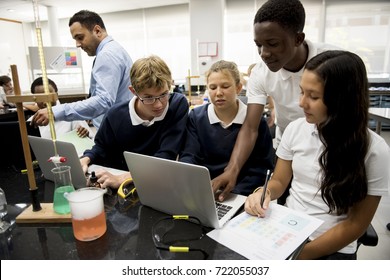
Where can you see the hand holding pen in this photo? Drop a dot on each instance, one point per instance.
(264, 189)
(252, 205)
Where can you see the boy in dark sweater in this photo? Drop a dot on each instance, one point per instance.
(152, 123)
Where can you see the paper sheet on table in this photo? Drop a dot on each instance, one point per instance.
(81, 144)
(274, 237)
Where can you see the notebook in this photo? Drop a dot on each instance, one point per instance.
(44, 149)
(178, 188)
(81, 144)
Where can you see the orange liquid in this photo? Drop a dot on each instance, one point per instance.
(90, 229)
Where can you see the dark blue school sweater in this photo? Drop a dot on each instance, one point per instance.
(211, 145)
(117, 134)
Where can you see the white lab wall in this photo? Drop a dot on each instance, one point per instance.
(13, 51)
(206, 27)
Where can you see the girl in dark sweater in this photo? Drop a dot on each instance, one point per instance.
(212, 131)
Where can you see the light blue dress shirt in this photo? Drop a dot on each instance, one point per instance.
(110, 81)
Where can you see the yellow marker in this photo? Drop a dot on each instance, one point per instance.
(175, 249)
(23, 171)
(181, 217)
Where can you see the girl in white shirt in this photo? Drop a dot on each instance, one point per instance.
(338, 166)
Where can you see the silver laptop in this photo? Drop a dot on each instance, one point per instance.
(44, 149)
(178, 188)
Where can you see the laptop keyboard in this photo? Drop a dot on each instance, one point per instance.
(222, 209)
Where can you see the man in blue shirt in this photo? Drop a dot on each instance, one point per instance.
(110, 77)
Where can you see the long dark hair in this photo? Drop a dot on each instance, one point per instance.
(344, 133)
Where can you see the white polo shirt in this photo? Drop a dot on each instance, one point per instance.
(301, 144)
(282, 86)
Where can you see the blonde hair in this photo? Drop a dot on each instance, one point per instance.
(226, 67)
(150, 72)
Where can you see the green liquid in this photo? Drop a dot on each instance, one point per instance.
(60, 203)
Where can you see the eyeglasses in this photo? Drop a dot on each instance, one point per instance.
(170, 234)
(151, 100)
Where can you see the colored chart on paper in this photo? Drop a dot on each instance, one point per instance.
(71, 58)
(276, 236)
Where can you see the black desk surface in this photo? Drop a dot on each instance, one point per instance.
(128, 236)
(7, 115)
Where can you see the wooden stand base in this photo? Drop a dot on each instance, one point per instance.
(45, 215)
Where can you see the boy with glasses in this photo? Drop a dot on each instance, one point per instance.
(152, 123)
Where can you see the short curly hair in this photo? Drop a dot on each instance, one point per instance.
(290, 14)
(39, 82)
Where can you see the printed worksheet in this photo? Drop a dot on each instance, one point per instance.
(274, 237)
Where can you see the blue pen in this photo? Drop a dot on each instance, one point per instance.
(264, 189)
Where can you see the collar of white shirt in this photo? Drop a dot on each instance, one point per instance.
(315, 130)
(239, 118)
(136, 120)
